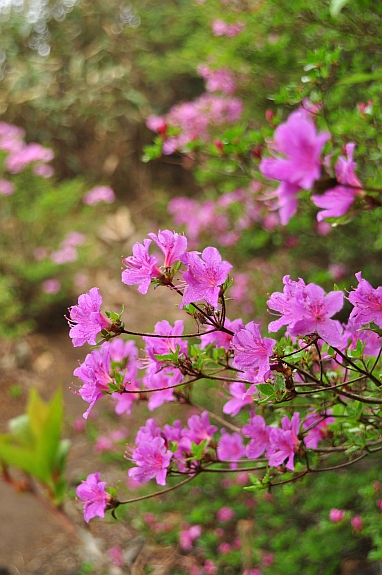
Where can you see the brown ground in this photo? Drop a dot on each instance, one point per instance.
(33, 539)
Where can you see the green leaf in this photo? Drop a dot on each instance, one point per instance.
(359, 78)
(336, 7)
(19, 428)
(197, 450)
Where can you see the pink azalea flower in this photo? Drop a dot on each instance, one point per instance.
(336, 515)
(224, 547)
(165, 378)
(281, 302)
(219, 338)
(318, 431)
(92, 492)
(357, 523)
(367, 303)
(225, 514)
(199, 428)
(116, 556)
(353, 333)
(148, 431)
(173, 245)
(299, 166)
(94, 372)
(124, 401)
(312, 310)
(240, 398)
(99, 194)
(221, 80)
(338, 200)
(6, 188)
(85, 319)
(152, 459)
(204, 276)
(165, 345)
(281, 447)
(51, 286)
(187, 536)
(258, 431)
(251, 350)
(230, 447)
(210, 567)
(140, 267)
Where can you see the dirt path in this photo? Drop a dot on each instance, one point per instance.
(32, 539)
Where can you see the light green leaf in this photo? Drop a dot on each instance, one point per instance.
(336, 7)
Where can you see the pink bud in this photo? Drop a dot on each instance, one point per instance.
(357, 523)
(379, 503)
(336, 515)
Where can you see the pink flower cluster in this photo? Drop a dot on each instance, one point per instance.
(221, 28)
(224, 219)
(338, 200)
(98, 373)
(92, 492)
(151, 454)
(85, 319)
(67, 252)
(205, 273)
(99, 194)
(305, 309)
(220, 80)
(298, 164)
(195, 120)
(20, 155)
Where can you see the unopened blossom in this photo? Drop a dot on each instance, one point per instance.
(336, 515)
(85, 319)
(312, 311)
(140, 267)
(258, 431)
(99, 194)
(152, 459)
(173, 245)
(204, 276)
(240, 398)
(357, 523)
(338, 200)
(367, 302)
(299, 164)
(230, 447)
(187, 536)
(251, 350)
(92, 492)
